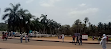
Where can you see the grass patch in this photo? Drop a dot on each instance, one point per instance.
(90, 36)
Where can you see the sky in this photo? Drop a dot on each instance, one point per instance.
(65, 11)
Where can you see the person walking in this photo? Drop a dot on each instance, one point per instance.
(93, 38)
(107, 39)
(58, 36)
(13, 34)
(9, 34)
(73, 39)
(6, 36)
(31, 35)
(21, 37)
(63, 37)
(3, 35)
(26, 37)
(77, 40)
(99, 38)
(80, 43)
(103, 41)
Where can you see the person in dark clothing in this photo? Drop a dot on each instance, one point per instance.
(28, 37)
(93, 37)
(80, 43)
(58, 36)
(77, 40)
(2, 33)
(107, 39)
(5, 36)
(73, 39)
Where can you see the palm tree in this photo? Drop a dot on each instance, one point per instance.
(85, 21)
(44, 21)
(22, 18)
(109, 27)
(12, 15)
(27, 24)
(100, 27)
(105, 26)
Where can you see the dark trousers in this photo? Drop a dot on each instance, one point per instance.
(73, 40)
(80, 43)
(21, 39)
(28, 40)
(77, 42)
(6, 38)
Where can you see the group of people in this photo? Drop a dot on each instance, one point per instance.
(27, 36)
(4, 36)
(11, 34)
(78, 39)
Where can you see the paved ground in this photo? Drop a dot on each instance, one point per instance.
(15, 44)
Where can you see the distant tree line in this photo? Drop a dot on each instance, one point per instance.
(3, 26)
(22, 20)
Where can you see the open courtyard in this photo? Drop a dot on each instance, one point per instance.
(15, 44)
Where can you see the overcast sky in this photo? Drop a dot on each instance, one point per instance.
(65, 11)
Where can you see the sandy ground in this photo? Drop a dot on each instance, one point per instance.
(15, 44)
(67, 38)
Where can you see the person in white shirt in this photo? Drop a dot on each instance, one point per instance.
(63, 37)
(26, 37)
(103, 41)
(31, 34)
(21, 37)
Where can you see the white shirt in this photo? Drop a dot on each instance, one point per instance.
(62, 36)
(31, 34)
(21, 36)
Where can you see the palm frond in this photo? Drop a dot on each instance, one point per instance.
(8, 9)
(12, 5)
(16, 7)
(4, 16)
(26, 11)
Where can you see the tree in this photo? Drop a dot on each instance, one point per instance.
(44, 21)
(22, 19)
(78, 24)
(109, 28)
(85, 21)
(12, 16)
(28, 21)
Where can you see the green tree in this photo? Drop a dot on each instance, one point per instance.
(11, 13)
(22, 19)
(85, 21)
(44, 21)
